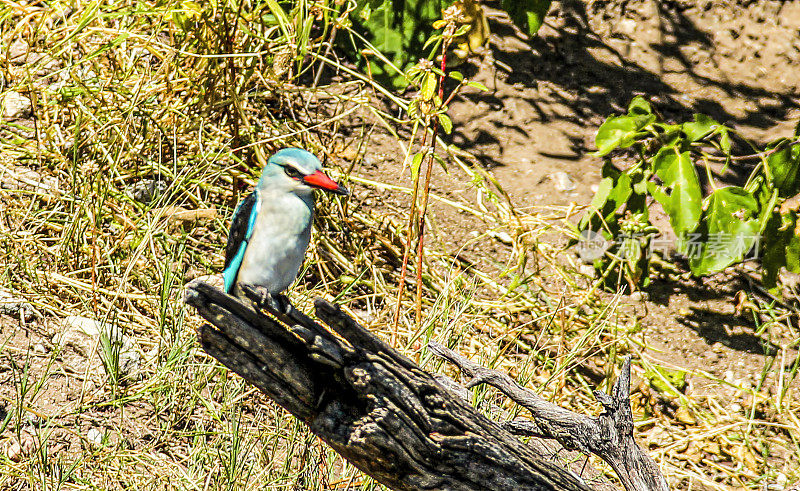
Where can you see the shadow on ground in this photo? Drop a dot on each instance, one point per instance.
(669, 58)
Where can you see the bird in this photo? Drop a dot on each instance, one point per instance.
(271, 227)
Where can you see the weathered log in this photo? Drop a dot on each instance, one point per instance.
(372, 405)
(609, 436)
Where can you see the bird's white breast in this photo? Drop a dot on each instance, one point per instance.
(278, 244)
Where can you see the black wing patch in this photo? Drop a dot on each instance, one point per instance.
(240, 223)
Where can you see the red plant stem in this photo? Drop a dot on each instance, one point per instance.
(426, 191)
(409, 239)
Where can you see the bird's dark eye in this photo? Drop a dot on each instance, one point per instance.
(292, 172)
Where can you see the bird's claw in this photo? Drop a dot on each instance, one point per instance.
(276, 302)
(280, 303)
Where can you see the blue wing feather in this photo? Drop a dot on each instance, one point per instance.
(242, 225)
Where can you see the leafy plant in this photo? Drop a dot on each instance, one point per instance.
(713, 231)
(399, 30)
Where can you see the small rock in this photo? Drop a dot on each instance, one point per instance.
(18, 449)
(95, 436)
(562, 181)
(638, 296)
(591, 246)
(729, 377)
(659, 438)
(17, 308)
(147, 190)
(503, 237)
(17, 51)
(684, 415)
(15, 106)
(587, 270)
(83, 335)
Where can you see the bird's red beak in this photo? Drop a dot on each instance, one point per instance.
(321, 181)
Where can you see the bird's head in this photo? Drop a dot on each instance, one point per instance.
(297, 170)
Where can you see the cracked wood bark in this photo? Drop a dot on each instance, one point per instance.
(372, 405)
(609, 436)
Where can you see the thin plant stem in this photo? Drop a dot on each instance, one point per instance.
(426, 189)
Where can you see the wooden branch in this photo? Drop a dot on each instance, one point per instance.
(374, 406)
(609, 436)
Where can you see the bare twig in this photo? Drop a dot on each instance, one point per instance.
(609, 436)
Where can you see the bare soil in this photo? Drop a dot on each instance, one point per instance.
(736, 61)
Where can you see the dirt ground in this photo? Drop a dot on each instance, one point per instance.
(736, 61)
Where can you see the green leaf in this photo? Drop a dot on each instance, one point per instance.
(416, 163)
(477, 85)
(781, 247)
(528, 15)
(725, 141)
(398, 30)
(612, 193)
(622, 131)
(429, 85)
(456, 75)
(462, 30)
(729, 230)
(615, 132)
(784, 169)
(701, 127)
(639, 106)
(431, 40)
(447, 124)
(680, 194)
(665, 380)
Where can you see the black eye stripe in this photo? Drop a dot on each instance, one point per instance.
(292, 172)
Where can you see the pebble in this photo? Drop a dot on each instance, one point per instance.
(587, 270)
(503, 237)
(18, 449)
(83, 335)
(95, 436)
(17, 307)
(562, 181)
(147, 190)
(729, 377)
(16, 106)
(684, 415)
(17, 51)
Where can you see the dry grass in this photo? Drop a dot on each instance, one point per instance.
(128, 93)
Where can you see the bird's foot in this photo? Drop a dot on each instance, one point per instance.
(280, 303)
(262, 298)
